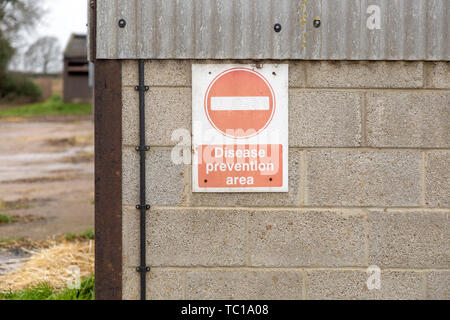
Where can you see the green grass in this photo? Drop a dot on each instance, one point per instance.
(54, 106)
(87, 235)
(6, 240)
(6, 218)
(44, 292)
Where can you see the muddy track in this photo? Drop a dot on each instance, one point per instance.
(46, 172)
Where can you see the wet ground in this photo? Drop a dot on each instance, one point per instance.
(46, 177)
(11, 259)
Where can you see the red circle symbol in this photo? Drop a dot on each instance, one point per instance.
(240, 103)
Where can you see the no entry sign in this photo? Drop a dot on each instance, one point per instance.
(240, 102)
(240, 128)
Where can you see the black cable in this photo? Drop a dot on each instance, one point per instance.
(143, 206)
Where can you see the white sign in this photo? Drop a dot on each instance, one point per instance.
(240, 128)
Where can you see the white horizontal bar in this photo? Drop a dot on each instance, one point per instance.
(239, 103)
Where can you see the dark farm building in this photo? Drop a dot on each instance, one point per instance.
(76, 70)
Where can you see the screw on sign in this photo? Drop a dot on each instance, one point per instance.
(240, 128)
(240, 103)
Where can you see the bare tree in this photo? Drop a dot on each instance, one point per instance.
(44, 55)
(16, 18)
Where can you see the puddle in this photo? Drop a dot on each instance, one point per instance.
(11, 259)
(28, 166)
(40, 173)
(28, 158)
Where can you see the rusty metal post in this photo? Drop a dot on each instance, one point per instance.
(108, 179)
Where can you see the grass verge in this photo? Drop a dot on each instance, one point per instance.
(54, 106)
(43, 291)
(6, 219)
(87, 235)
(9, 240)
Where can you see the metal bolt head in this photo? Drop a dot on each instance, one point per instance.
(277, 27)
(316, 23)
(122, 23)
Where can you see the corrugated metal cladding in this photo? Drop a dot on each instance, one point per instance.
(244, 29)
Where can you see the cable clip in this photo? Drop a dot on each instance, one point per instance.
(142, 148)
(145, 206)
(143, 269)
(138, 88)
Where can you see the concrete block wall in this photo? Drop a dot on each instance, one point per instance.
(369, 185)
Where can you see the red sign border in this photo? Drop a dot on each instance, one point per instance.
(217, 78)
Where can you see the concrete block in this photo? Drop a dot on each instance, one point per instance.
(166, 110)
(244, 284)
(160, 73)
(130, 117)
(170, 73)
(291, 198)
(297, 74)
(365, 74)
(130, 177)
(408, 119)
(438, 285)
(438, 75)
(307, 238)
(165, 180)
(409, 239)
(130, 284)
(437, 179)
(165, 284)
(363, 178)
(130, 73)
(195, 237)
(324, 119)
(352, 285)
(162, 284)
(130, 237)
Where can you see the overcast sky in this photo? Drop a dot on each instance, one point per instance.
(63, 18)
